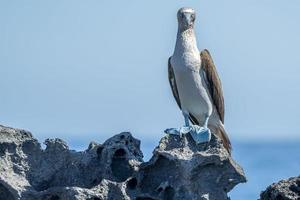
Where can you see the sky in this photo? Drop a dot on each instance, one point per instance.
(85, 70)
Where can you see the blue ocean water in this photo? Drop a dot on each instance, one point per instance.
(263, 162)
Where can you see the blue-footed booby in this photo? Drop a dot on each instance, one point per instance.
(196, 85)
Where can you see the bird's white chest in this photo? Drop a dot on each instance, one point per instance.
(191, 88)
(187, 60)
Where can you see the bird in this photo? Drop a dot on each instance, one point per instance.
(196, 85)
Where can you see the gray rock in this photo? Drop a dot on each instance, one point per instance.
(288, 189)
(178, 169)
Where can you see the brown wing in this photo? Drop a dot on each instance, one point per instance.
(213, 82)
(172, 82)
(216, 93)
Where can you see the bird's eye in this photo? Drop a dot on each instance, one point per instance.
(182, 15)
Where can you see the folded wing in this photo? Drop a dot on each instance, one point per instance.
(213, 82)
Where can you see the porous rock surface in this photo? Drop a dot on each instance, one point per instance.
(114, 170)
(288, 189)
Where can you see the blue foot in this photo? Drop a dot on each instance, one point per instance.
(175, 131)
(200, 134)
(172, 131)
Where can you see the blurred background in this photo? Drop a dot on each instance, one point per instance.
(86, 70)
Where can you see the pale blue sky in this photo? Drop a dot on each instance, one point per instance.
(84, 70)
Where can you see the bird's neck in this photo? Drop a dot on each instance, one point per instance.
(186, 42)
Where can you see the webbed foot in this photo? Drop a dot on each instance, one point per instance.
(200, 134)
(178, 131)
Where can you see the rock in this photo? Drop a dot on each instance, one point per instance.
(178, 169)
(288, 189)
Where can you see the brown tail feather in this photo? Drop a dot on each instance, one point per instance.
(221, 133)
(225, 139)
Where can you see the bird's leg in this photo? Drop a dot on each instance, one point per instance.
(206, 122)
(187, 128)
(186, 118)
(201, 134)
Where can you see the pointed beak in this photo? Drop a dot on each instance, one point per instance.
(189, 19)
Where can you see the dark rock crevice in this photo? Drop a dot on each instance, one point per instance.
(5, 193)
(120, 167)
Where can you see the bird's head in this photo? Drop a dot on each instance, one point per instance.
(186, 18)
